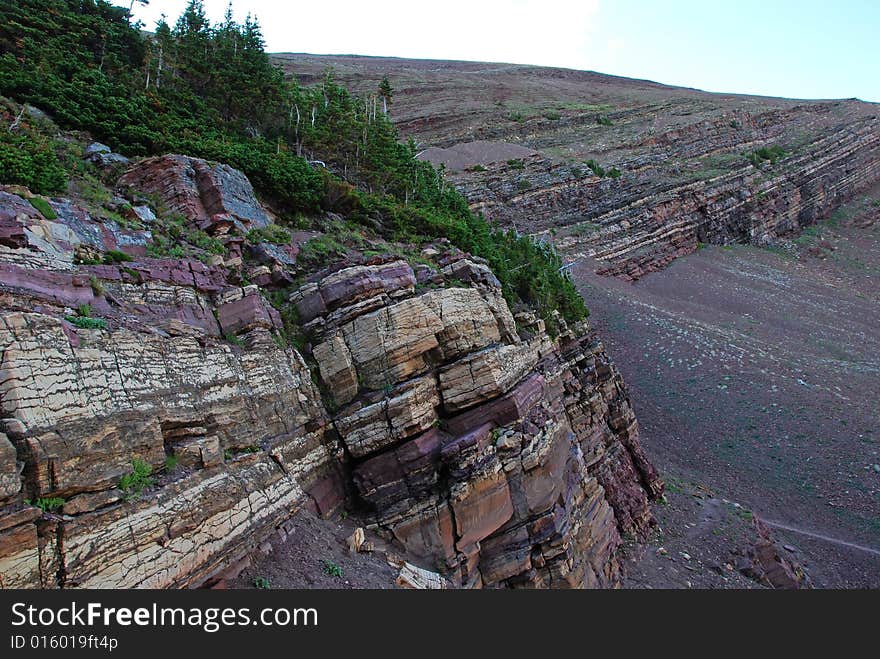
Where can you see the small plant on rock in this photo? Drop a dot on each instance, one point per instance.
(172, 462)
(47, 505)
(332, 569)
(133, 484)
(262, 582)
(97, 286)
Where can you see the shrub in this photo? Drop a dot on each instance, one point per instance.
(516, 163)
(332, 569)
(87, 323)
(234, 340)
(602, 120)
(208, 243)
(523, 184)
(171, 463)
(28, 158)
(262, 582)
(97, 286)
(115, 256)
(596, 168)
(772, 154)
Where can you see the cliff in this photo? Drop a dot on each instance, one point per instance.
(628, 174)
(157, 426)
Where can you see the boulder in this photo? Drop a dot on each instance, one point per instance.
(245, 314)
(205, 194)
(389, 345)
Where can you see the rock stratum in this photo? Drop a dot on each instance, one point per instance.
(480, 446)
(625, 174)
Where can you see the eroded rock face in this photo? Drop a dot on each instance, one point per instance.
(484, 449)
(246, 423)
(493, 459)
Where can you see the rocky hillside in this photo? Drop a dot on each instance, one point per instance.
(629, 173)
(168, 406)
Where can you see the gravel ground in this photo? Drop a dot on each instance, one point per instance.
(756, 372)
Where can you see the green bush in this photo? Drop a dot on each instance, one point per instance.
(772, 154)
(596, 168)
(115, 256)
(84, 322)
(29, 161)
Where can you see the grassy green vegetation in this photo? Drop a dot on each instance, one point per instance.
(83, 318)
(43, 206)
(209, 90)
(234, 340)
(770, 154)
(602, 120)
(273, 233)
(171, 463)
(115, 256)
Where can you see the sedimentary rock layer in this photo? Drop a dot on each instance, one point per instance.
(481, 446)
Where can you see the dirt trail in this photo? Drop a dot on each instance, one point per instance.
(819, 536)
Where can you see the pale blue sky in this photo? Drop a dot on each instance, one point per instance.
(793, 48)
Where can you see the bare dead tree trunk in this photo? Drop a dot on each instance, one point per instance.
(160, 65)
(15, 124)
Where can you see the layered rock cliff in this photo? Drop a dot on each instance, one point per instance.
(629, 174)
(644, 219)
(157, 425)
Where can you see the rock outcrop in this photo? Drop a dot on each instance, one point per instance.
(495, 456)
(480, 446)
(210, 196)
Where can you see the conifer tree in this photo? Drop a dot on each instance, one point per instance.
(386, 93)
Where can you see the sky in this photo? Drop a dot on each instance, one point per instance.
(790, 48)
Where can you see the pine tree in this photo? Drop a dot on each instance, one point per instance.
(386, 93)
